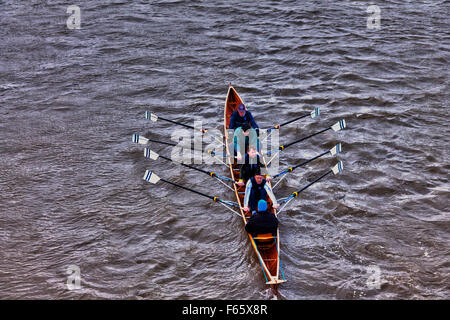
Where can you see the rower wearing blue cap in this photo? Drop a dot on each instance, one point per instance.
(262, 222)
(255, 190)
(242, 116)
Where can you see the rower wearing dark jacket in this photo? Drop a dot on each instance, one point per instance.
(255, 190)
(243, 137)
(251, 166)
(262, 221)
(241, 116)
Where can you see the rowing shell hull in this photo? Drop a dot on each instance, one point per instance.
(268, 257)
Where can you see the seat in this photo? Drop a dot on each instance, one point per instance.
(265, 241)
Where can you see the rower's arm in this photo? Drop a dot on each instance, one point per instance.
(270, 194)
(248, 188)
(253, 139)
(232, 121)
(238, 138)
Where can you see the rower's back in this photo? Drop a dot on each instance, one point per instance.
(262, 222)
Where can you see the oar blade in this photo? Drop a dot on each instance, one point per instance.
(315, 113)
(339, 125)
(151, 116)
(150, 154)
(338, 168)
(151, 177)
(139, 139)
(336, 149)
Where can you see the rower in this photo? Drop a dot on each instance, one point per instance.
(257, 189)
(251, 166)
(243, 137)
(262, 222)
(241, 116)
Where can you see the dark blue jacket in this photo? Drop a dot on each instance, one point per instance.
(262, 222)
(236, 120)
(257, 193)
(254, 165)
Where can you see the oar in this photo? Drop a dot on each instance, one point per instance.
(154, 156)
(336, 127)
(151, 177)
(213, 154)
(333, 151)
(312, 114)
(143, 140)
(153, 117)
(335, 170)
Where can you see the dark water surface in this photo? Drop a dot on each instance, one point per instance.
(71, 188)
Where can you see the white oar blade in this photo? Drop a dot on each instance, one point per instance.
(338, 168)
(139, 139)
(150, 154)
(315, 113)
(336, 149)
(151, 177)
(339, 125)
(151, 116)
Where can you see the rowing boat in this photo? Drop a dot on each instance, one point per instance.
(266, 246)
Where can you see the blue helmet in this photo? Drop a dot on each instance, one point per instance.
(262, 205)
